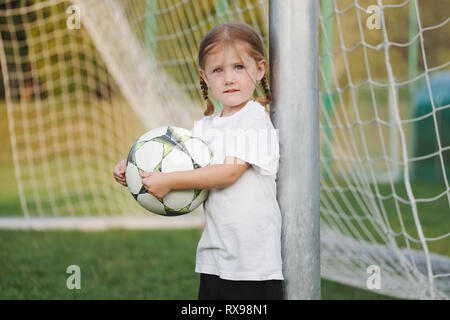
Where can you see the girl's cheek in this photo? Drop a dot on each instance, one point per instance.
(214, 84)
(213, 89)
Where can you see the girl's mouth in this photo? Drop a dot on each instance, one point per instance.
(231, 91)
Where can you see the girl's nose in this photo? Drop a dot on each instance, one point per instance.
(228, 77)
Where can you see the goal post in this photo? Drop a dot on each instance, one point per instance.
(293, 34)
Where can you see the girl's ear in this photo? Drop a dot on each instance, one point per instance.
(203, 75)
(262, 64)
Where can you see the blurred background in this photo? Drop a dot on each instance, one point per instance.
(82, 80)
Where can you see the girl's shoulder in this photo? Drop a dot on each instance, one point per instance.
(255, 110)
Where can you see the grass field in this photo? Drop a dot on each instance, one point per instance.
(116, 264)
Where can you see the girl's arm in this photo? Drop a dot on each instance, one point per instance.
(213, 176)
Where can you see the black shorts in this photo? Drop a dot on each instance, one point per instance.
(214, 288)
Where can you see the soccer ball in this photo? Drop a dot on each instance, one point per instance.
(167, 149)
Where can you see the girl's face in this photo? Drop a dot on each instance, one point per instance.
(231, 74)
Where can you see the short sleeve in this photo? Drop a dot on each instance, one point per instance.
(256, 142)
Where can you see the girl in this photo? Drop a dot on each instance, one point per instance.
(239, 252)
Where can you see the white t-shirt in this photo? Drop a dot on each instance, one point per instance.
(242, 235)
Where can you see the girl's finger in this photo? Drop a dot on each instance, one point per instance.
(145, 174)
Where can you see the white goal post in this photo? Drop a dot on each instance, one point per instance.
(298, 174)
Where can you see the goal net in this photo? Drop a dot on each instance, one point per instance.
(385, 149)
(82, 80)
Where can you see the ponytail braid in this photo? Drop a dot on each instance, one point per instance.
(209, 105)
(268, 96)
(266, 89)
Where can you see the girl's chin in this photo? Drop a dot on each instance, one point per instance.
(233, 102)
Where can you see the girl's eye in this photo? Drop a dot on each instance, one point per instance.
(238, 66)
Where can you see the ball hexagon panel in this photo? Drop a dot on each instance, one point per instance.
(198, 199)
(151, 203)
(142, 153)
(199, 151)
(134, 181)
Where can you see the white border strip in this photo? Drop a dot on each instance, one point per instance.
(103, 223)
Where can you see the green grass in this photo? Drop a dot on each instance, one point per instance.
(116, 264)
(9, 197)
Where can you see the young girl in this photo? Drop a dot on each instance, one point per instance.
(239, 252)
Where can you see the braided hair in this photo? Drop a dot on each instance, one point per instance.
(209, 105)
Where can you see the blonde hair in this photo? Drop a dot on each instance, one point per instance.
(230, 32)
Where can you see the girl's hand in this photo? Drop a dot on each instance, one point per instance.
(119, 172)
(156, 183)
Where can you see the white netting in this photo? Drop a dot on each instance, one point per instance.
(78, 98)
(375, 202)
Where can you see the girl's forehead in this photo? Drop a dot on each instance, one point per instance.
(236, 51)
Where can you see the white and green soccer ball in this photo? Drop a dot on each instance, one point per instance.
(167, 149)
